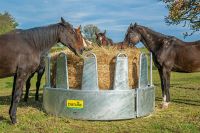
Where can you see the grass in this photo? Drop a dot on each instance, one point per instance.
(182, 116)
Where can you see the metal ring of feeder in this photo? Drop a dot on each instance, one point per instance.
(88, 54)
(122, 55)
(61, 54)
(100, 105)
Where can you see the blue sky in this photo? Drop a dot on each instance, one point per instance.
(112, 15)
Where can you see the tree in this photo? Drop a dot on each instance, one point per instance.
(89, 32)
(7, 22)
(185, 12)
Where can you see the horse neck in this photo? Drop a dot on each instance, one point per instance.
(110, 41)
(43, 38)
(107, 41)
(150, 39)
(104, 41)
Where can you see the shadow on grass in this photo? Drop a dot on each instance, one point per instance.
(5, 120)
(187, 102)
(183, 101)
(6, 100)
(189, 88)
(2, 118)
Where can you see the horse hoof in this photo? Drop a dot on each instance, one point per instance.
(13, 120)
(165, 105)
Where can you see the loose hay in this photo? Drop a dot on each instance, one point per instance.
(106, 57)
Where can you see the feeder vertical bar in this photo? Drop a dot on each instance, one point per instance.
(140, 60)
(90, 73)
(62, 72)
(121, 73)
(143, 73)
(151, 79)
(47, 69)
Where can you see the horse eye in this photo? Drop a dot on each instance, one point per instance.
(72, 31)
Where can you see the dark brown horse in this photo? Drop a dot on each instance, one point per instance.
(40, 70)
(169, 54)
(20, 53)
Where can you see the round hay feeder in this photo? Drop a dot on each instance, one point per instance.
(91, 103)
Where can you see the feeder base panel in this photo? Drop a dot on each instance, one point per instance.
(90, 105)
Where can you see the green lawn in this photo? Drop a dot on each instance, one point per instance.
(183, 115)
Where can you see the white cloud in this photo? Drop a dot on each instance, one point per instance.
(113, 15)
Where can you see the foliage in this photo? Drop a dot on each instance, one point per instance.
(185, 12)
(7, 22)
(89, 32)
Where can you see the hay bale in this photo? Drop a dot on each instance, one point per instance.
(106, 57)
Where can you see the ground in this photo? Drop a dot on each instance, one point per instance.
(183, 114)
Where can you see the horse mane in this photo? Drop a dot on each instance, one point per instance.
(109, 39)
(156, 33)
(41, 37)
(179, 41)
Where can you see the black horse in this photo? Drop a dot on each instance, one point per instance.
(20, 53)
(169, 54)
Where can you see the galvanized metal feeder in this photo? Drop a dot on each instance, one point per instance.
(90, 103)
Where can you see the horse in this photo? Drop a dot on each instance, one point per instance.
(102, 40)
(122, 45)
(20, 53)
(40, 70)
(169, 54)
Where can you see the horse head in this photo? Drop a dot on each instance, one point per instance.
(101, 38)
(71, 37)
(132, 35)
(80, 36)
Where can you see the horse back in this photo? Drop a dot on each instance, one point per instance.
(187, 57)
(14, 52)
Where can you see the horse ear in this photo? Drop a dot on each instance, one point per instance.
(104, 32)
(135, 24)
(63, 20)
(131, 25)
(79, 28)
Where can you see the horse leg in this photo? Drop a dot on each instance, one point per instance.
(13, 90)
(19, 81)
(161, 81)
(28, 85)
(166, 83)
(39, 77)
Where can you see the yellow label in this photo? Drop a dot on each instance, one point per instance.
(76, 104)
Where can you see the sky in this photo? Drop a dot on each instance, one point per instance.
(114, 16)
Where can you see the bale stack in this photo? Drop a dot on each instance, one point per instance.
(106, 57)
